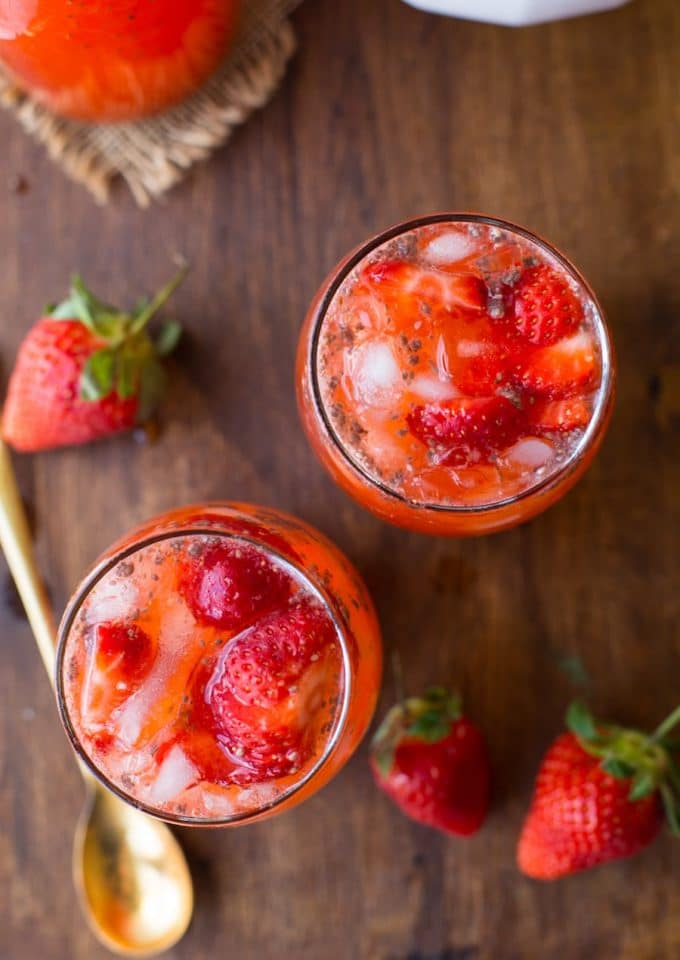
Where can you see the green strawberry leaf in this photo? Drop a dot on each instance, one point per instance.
(72, 308)
(100, 318)
(430, 727)
(85, 304)
(168, 338)
(428, 718)
(129, 361)
(643, 784)
(384, 760)
(96, 380)
(580, 721)
(617, 768)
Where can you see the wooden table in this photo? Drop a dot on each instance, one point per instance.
(571, 129)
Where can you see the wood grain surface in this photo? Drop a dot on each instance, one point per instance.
(570, 129)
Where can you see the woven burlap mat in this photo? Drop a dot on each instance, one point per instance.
(153, 155)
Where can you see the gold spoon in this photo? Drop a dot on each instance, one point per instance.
(130, 873)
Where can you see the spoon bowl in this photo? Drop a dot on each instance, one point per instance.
(131, 876)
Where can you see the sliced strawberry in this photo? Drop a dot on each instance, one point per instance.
(482, 375)
(473, 353)
(399, 278)
(197, 728)
(559, 416)
(246, 722)
(466, 431)
(228, 585)
(230, 753)
(560, 370)
(262, 744)
(123, 651)
(546, 309)
(479, 360)
(230, 743)
(262, 664)
(123, 655)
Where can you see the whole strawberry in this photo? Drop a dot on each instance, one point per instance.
(432, 761)
(600, 795)
(86, 370)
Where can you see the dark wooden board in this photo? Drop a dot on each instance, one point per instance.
(570, 129)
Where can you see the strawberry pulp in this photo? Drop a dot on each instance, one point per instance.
(459, 364)
(203, 676)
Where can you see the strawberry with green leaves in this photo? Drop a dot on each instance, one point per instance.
(601, 794)
(433, 762)
(87, 370)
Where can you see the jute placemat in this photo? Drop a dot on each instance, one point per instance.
(153, 155)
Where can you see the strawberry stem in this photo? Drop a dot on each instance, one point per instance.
(666, 726)
(163, 295)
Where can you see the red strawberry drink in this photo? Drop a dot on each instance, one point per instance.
(219, 665)
(456, 374)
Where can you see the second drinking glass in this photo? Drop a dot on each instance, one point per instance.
(455, 374)
(219, 664)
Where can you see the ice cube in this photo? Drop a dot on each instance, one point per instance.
(129, 765)
(579, 342)
(174, 654)
(177, 625)
(258, 796)
(368, 315)
(449, 247)
(175, 774)
(529, 453)
(374, 373)
(433, 389)
(114, 598)
(385, 450)
(217, 805)
(131, 716)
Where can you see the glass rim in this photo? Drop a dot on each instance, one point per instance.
(85, 587)
(601, 408)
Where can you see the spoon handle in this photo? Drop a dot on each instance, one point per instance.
(15, 539)
(17, 545)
